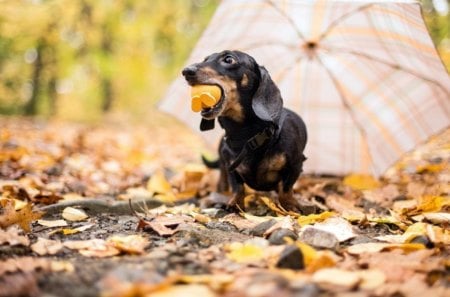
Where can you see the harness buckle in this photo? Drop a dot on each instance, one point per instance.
(260, 139)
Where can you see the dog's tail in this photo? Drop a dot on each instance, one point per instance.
(213, 164)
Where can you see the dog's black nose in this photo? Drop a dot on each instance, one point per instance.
(189, 71)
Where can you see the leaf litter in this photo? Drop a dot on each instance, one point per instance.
(137, 205)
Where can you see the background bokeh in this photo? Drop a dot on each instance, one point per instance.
(84, 59)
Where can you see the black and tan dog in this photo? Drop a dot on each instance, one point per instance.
(264, 142)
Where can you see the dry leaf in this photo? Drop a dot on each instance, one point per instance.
(375, 247)
(22, 217)
(158, 184)
(52, 223)
(11, 236)
(437, 217)
(339, 227)
(191, 290)
(361, 182)
(74, 214)
(45, 246)
(97, 248)
(244, 252)
(336, 277)
(314, 218)
(131, 244)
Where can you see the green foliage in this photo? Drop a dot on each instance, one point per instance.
(79, 58)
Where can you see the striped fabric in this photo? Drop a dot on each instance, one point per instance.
(364, 75)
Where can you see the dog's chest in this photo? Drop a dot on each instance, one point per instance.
(264, 171)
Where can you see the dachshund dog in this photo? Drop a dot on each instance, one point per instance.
(264, 142)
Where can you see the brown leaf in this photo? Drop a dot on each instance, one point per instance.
(45, 246)
(12, 237)
(22, 217)
(131, 244)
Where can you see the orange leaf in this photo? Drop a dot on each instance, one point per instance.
(22, 217)
(361, 182)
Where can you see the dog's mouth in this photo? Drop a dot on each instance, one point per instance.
(214, 111)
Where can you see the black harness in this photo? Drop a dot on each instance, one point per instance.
(247, 140)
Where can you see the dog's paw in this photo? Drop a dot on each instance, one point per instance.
(236, 203)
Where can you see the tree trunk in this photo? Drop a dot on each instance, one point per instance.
(32, 105)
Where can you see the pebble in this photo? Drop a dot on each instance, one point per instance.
(277, 236)
(261, 228)
(291, 257)
(319, 238)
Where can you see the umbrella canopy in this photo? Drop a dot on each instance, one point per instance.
(364, 75)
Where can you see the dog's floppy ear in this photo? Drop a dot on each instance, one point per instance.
(267, 102)
(206, 125)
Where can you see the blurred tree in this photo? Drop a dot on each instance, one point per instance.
(79, 58)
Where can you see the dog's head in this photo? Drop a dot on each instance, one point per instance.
(247, 88)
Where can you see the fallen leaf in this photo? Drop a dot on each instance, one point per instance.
(286, 223)
(336, 277)
(45, 246)
(74, 214)
(12, 237)
(430, 204)
(22, 217)
(371, 278)
(18, 204)
(244, 252)
(375, 247)
(164, 225)
(97, 248)
(191, 290)
(361, 182)
(131, 244)
(217, 281)
(437, 217)
(69, 231)
(52, 223)
(30, 264)
(339, 227)
(314, 218)
(158, 184)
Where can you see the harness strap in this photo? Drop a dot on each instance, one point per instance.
(253, 144)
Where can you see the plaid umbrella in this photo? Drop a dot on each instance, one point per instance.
(364, 75)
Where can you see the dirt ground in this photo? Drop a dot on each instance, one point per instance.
(152, 225)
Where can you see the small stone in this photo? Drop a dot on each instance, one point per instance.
(224, 226)
(278, 236)
(319, 238)
(307, 207)
(261, 228)
(291, 257)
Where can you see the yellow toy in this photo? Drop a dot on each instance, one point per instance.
(203, 96)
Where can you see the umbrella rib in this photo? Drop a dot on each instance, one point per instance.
(267, 43)
(288, 18)
(341, 19)
(394, 66)
(346, 105)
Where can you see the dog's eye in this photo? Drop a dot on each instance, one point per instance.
(230, 60)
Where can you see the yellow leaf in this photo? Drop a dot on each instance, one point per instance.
(375, 247)
(309, 253)
(314, 218)
(159, 184)
(271, 205)
(432, 168)
(361, 182)
(245, 252)
(431, 204)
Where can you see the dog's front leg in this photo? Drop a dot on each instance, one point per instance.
(237, 186)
